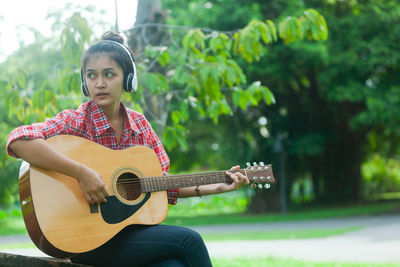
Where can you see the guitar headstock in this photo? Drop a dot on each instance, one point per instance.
(260, 175)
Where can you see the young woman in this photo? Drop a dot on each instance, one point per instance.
(108, 69)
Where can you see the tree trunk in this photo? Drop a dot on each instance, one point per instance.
(265, 201)
(342, 165)
(148, 12)
(148, 30)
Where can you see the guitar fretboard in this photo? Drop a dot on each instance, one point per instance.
(169, 182)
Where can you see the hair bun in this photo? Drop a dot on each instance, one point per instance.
(112, 36)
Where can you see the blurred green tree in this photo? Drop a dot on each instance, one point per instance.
(338, 93)
(336, 100)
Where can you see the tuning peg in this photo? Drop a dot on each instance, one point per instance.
(267, 186)
(262, 164)
(248, 164)
(260, 186)
(262, 178)
(255, 164)
(269, 178)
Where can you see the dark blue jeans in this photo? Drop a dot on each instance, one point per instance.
(156, 245)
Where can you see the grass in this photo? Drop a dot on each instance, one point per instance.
(12, 226)
(321, 213)
(276, 262)
(248, 235)
(15, 225)
(21, 245)
(277, 235)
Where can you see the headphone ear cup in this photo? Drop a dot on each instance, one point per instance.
(84, 88)
(128, 84)
(131, 83)
(134, 81)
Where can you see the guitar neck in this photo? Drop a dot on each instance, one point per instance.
(169, 182)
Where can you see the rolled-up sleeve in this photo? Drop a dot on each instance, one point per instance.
(44, 130)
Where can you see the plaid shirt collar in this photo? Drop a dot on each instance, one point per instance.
(101, 123)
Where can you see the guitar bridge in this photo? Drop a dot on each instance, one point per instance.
(94, 208)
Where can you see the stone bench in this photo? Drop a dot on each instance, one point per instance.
(13, 260)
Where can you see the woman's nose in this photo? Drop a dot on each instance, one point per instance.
(100, 82)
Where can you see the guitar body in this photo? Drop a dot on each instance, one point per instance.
(59, 219)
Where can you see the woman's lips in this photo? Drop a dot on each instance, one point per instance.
(101, 95)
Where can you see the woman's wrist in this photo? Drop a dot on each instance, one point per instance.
(202, 190)
(81, 171)
(209, 189)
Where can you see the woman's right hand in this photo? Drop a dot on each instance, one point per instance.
(92, 185)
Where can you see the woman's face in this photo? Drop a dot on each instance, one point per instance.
(104, 79)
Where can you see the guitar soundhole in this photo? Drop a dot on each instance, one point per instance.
(128, 186)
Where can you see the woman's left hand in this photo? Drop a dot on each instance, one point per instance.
(238, 180)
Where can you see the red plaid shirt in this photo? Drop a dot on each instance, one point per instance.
(90, 122)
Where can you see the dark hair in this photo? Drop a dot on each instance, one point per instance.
(113, 50)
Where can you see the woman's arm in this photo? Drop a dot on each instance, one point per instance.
(238, 180)
(37, 152)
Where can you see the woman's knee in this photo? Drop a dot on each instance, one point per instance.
(191, 236)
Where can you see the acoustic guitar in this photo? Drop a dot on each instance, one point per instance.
(61, 222)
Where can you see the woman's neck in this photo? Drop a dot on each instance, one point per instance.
(112, 112)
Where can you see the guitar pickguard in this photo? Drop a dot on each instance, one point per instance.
(114, 211)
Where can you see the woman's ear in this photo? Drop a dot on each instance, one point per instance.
(84, 88)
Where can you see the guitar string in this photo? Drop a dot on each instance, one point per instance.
(176, 178)
(166, 179)
(181, 176)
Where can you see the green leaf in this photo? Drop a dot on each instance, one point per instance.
(230, 76)
(151, 51)
(162, 83)
(175, 136)
(314, 25)
(272, 30)
(194, 41)
(213, 111)
(164, 58)
(168, 137)
(225, 108)
(176, 116)
(268, 96)
(180, 134)
(204, 71)
(185, 110)
(236, 96)
(150, 82)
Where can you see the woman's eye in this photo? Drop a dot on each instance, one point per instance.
(109, 74)
(90, 75)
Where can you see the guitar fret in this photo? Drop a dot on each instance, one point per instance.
(159, 183)
(154, 181)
